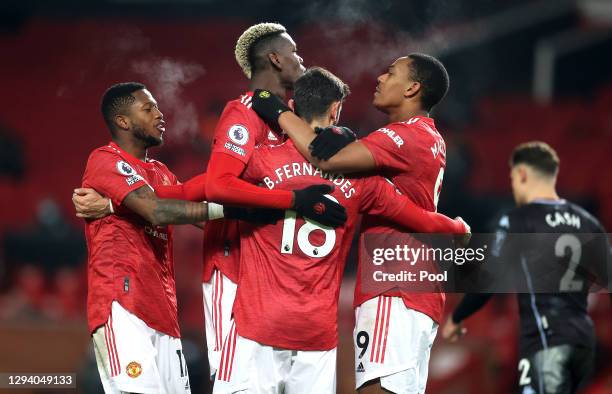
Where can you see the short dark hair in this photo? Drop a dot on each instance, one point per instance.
(115, 101)
(432, 75)
(315, 91)
(259, 50)
(539, 155)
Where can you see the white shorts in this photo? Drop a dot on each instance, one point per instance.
(219, 294)
(132, 357)
(250, 367)
(393, 343)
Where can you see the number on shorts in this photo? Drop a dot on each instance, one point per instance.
(363, 340)
(568, 283)
(523, 368)
(180, 356)
(303, 233)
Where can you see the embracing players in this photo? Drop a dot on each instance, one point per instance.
(268, 57)
(412, 154)
(555, 265)
(285, 331)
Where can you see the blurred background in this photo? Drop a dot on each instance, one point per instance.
(520, 70)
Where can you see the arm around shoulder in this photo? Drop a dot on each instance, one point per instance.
(159, 212)
(355, 157)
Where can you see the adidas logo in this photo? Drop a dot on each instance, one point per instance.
(360, 368)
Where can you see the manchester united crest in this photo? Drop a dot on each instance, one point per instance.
(133, 369)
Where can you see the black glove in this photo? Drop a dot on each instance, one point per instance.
(311, 203)
(330, 140)
(268, 106)
(254, 215)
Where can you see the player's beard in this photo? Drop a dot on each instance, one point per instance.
(148, 140)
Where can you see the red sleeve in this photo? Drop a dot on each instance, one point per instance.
(253, 173)
(224, 186)
(389, 147)
(192, 190)
(237, 132)
(236, 135)
(111, 176)
(380, 197)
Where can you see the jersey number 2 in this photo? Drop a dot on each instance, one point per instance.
(568, 283)
(523, 368)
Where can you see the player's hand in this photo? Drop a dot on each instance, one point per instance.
(462, 240)
(452, 331)
(254, 215)
(89, 204)
(312, 203)
(330, 140)
(268, 106)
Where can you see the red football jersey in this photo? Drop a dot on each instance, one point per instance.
(412, 154)
(129, 260)
(290, 272)
(238, 132)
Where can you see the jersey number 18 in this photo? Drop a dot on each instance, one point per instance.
(303, 233)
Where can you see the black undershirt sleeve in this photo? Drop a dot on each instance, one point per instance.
(470, 304)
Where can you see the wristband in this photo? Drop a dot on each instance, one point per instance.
(215, 211)
(110, 206)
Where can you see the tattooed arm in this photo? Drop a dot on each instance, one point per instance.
(159, 211)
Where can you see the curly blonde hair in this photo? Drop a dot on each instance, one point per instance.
(248, 38)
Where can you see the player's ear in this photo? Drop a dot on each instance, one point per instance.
(522, 172)
(334, 112)
(274, 61)
(412, 89)
(291, 104)
(122, 122)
